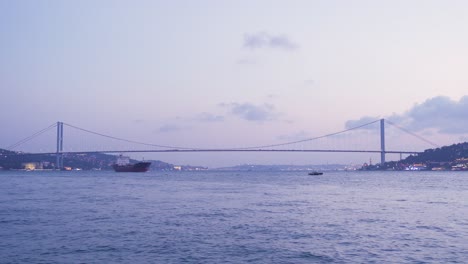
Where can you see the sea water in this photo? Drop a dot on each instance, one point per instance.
(233, 217)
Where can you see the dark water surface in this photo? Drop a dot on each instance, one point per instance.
(233, 217)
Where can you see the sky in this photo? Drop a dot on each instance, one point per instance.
(214, 74)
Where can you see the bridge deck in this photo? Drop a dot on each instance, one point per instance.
(231, 150)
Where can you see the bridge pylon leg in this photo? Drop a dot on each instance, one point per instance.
(59, 155)
(382, 141)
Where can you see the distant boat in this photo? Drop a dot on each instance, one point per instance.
(315, 173)
(123, 165)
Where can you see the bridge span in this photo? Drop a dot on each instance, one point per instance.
(155, 148)
(231, 150)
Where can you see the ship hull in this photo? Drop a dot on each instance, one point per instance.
(137, 167)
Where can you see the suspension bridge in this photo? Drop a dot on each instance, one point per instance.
(313, 144)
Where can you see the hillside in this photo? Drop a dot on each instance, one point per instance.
(14, 160)
(453, 157)
(442, 154)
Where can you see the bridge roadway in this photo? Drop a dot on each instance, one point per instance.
(230, 150)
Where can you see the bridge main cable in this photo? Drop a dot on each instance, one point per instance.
(213, 149)
(310, 139)
(413, 134)
(38, 133)
(126, 140)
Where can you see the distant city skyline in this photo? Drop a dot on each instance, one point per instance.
(243, 73)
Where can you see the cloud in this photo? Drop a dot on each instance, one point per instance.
(440, 113)
(362, 121)
(209, 118)
(265, 40)
(183, 123)
(251, 112)
(245, 111)
(168, 128)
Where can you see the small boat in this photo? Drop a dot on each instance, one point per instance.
(315, 173)
(123, 165)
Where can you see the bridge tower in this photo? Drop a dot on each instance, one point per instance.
(382, 141)
(59, 155)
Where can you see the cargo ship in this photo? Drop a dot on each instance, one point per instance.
(123, 165)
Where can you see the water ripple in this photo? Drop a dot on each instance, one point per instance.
(222, 217)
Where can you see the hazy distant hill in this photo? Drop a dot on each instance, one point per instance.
(251, 167)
